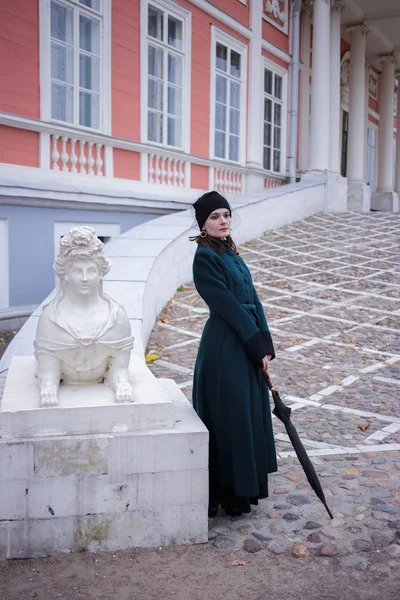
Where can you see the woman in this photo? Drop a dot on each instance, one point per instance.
(229, 394)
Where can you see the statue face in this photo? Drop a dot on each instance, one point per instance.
(83, 277)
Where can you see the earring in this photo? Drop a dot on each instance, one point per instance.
(203, 234)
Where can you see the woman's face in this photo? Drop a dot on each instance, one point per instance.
(83, 277)
(218, 224)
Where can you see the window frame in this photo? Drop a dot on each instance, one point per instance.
(219, 36)
(185, 16)
(283, 73)
(105, 65)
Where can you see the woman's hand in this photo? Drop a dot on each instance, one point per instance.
(265, 362)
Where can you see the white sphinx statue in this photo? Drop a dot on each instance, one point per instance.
(83, 336)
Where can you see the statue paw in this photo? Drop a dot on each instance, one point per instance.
(48, 395)
(123, 392)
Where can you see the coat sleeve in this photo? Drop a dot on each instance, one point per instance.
(210, 281)
(263, 323)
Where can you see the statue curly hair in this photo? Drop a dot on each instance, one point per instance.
(81, 243)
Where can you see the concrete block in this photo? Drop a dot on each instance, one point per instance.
(13, 500)
(71, 455)
(41, 537)
(179, 488)
(3, 541)
(54, 497)
(102, 495)
(187, 526)
(16, 460)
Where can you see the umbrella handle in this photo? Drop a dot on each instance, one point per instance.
(267, 379)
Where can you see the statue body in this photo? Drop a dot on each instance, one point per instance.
(83, 336)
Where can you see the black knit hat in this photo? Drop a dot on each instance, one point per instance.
(206, 204)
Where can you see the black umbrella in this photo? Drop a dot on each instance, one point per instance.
(283, 412)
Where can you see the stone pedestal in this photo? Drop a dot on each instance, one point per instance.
(138, 475)
(385, 201)
(358, 196)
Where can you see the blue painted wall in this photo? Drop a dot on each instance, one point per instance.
(31, 245)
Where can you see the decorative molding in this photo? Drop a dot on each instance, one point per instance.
(362, 27)
(373, 85)
(345, 69)
(339, 5)
(387, 58)
(276, 12)
(307, 6)
(281, 54)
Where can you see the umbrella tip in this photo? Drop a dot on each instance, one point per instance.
(328, 510)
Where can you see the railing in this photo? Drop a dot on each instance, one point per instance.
(70, 150)
(274, 181)
(76, 155)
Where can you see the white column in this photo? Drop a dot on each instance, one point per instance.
(255, 181)
(385, 198)
(334, 111)
(355, 146)
(320, 88)
(304, 121)
(359, 198)
(385, 142)
(397, 167)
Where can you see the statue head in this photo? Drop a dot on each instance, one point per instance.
(81, 264)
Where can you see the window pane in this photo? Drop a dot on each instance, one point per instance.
(267, 159)
(277, 137)
(277, 114)
(267, 110)
(156, 23)
(235, 64)
(154, 127)
(278, 87)
(220, 94)
(220, 116)
(62, 23)
(89, 110)
(62, 102)
(235, 95)
(95, 4)
(222, 58)
(175, 33)
(175, 69)
(174, 132)
(277, 160)
(219, 144)
(156, 62)
(174, 101)
(89, 34)
(155, 95)
(267, 134)
(89, 72)
(234, 121)
(268, 76)
(233, 147)
(62, 65)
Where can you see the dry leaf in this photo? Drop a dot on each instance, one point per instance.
(238, 563)
(151, 358)
(351, 471)
(364, 426)
(164, 320)
(336, 381)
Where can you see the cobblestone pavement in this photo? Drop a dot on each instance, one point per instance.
(330, 286)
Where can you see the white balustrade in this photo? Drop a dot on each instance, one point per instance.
(88, 160)
(165, 170)
(228, 181)
(273, 182)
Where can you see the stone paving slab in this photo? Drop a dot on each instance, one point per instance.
(330, 286)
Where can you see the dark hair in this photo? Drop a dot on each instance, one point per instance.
(215, 244)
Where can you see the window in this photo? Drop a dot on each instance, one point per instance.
(75, 61)
(371, 158)
(345, 134)
(273, 121)
(167, 55)
(228, 76)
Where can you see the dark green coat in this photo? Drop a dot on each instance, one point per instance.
(229, 394)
